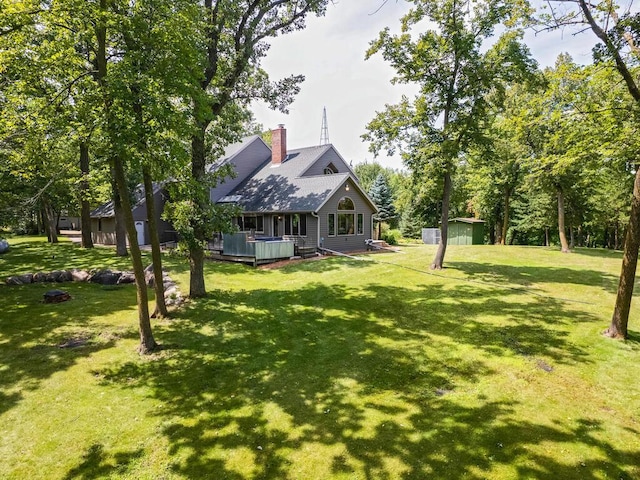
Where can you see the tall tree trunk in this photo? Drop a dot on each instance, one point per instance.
(156, 256)
(161, 307)
(147, 342)
(561, 228)
(39, 222)
(572, 238)
(42, 221)
(196, 249)
(444, 227)
(121, 229)
(50, 221)
(546, 236)
(85, 208)
(505, 218)
(620, 318)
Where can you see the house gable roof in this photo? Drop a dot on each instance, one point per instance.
(295, 185)
(333, 159)
(285, 187)
(278, 193)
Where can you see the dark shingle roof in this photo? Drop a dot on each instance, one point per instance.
(280, 188)
(278, 193)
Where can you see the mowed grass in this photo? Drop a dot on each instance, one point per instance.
(338, 369)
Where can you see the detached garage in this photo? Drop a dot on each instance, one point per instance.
(466, 231)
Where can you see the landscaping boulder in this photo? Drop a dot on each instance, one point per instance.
(148, 276)
(79, 275)
(105, 277)
(172, 296)
(39, 277)
(56, 296)
(127, 277)
(58, 276)
(4, 246)
(20, 279)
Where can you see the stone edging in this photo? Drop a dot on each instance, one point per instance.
(172, 295)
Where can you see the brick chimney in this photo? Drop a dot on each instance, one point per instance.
(278, 145)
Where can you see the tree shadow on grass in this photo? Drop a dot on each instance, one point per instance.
(38, 340)
(376, 382)
(598, 252)
(97, 464)
(324, 264)
(633, 338)
(530, 276)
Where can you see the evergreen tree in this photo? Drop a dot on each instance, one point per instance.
(411, 224)
(380, 193)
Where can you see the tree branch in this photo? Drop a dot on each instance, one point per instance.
(613, 51)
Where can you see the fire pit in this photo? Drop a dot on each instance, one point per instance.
(56, 296)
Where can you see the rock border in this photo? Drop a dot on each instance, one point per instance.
(172, 295)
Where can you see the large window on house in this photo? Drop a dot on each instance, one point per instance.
(331, 223)
(346, 216)
(295, 224)
(360, 224)
(248, 223)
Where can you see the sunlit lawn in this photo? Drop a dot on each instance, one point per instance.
(338, 368)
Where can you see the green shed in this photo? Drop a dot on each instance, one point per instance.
(466, 231)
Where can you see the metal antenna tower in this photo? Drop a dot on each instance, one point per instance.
(324, 130)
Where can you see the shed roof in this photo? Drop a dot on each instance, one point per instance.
(466, 220)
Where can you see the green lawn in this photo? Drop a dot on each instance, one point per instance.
(341, 369)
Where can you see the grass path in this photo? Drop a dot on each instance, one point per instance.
(339, 369)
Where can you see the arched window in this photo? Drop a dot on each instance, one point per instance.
(346, 203)
(330, 169)
(346, 220)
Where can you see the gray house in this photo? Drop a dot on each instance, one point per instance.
(308, 195)
(103, 219)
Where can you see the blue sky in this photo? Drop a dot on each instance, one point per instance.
(330, 53)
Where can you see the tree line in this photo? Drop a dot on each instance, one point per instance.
(559, 150)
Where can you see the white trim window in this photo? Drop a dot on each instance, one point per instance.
(346, 216)
(295, 224)
(331, 224)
